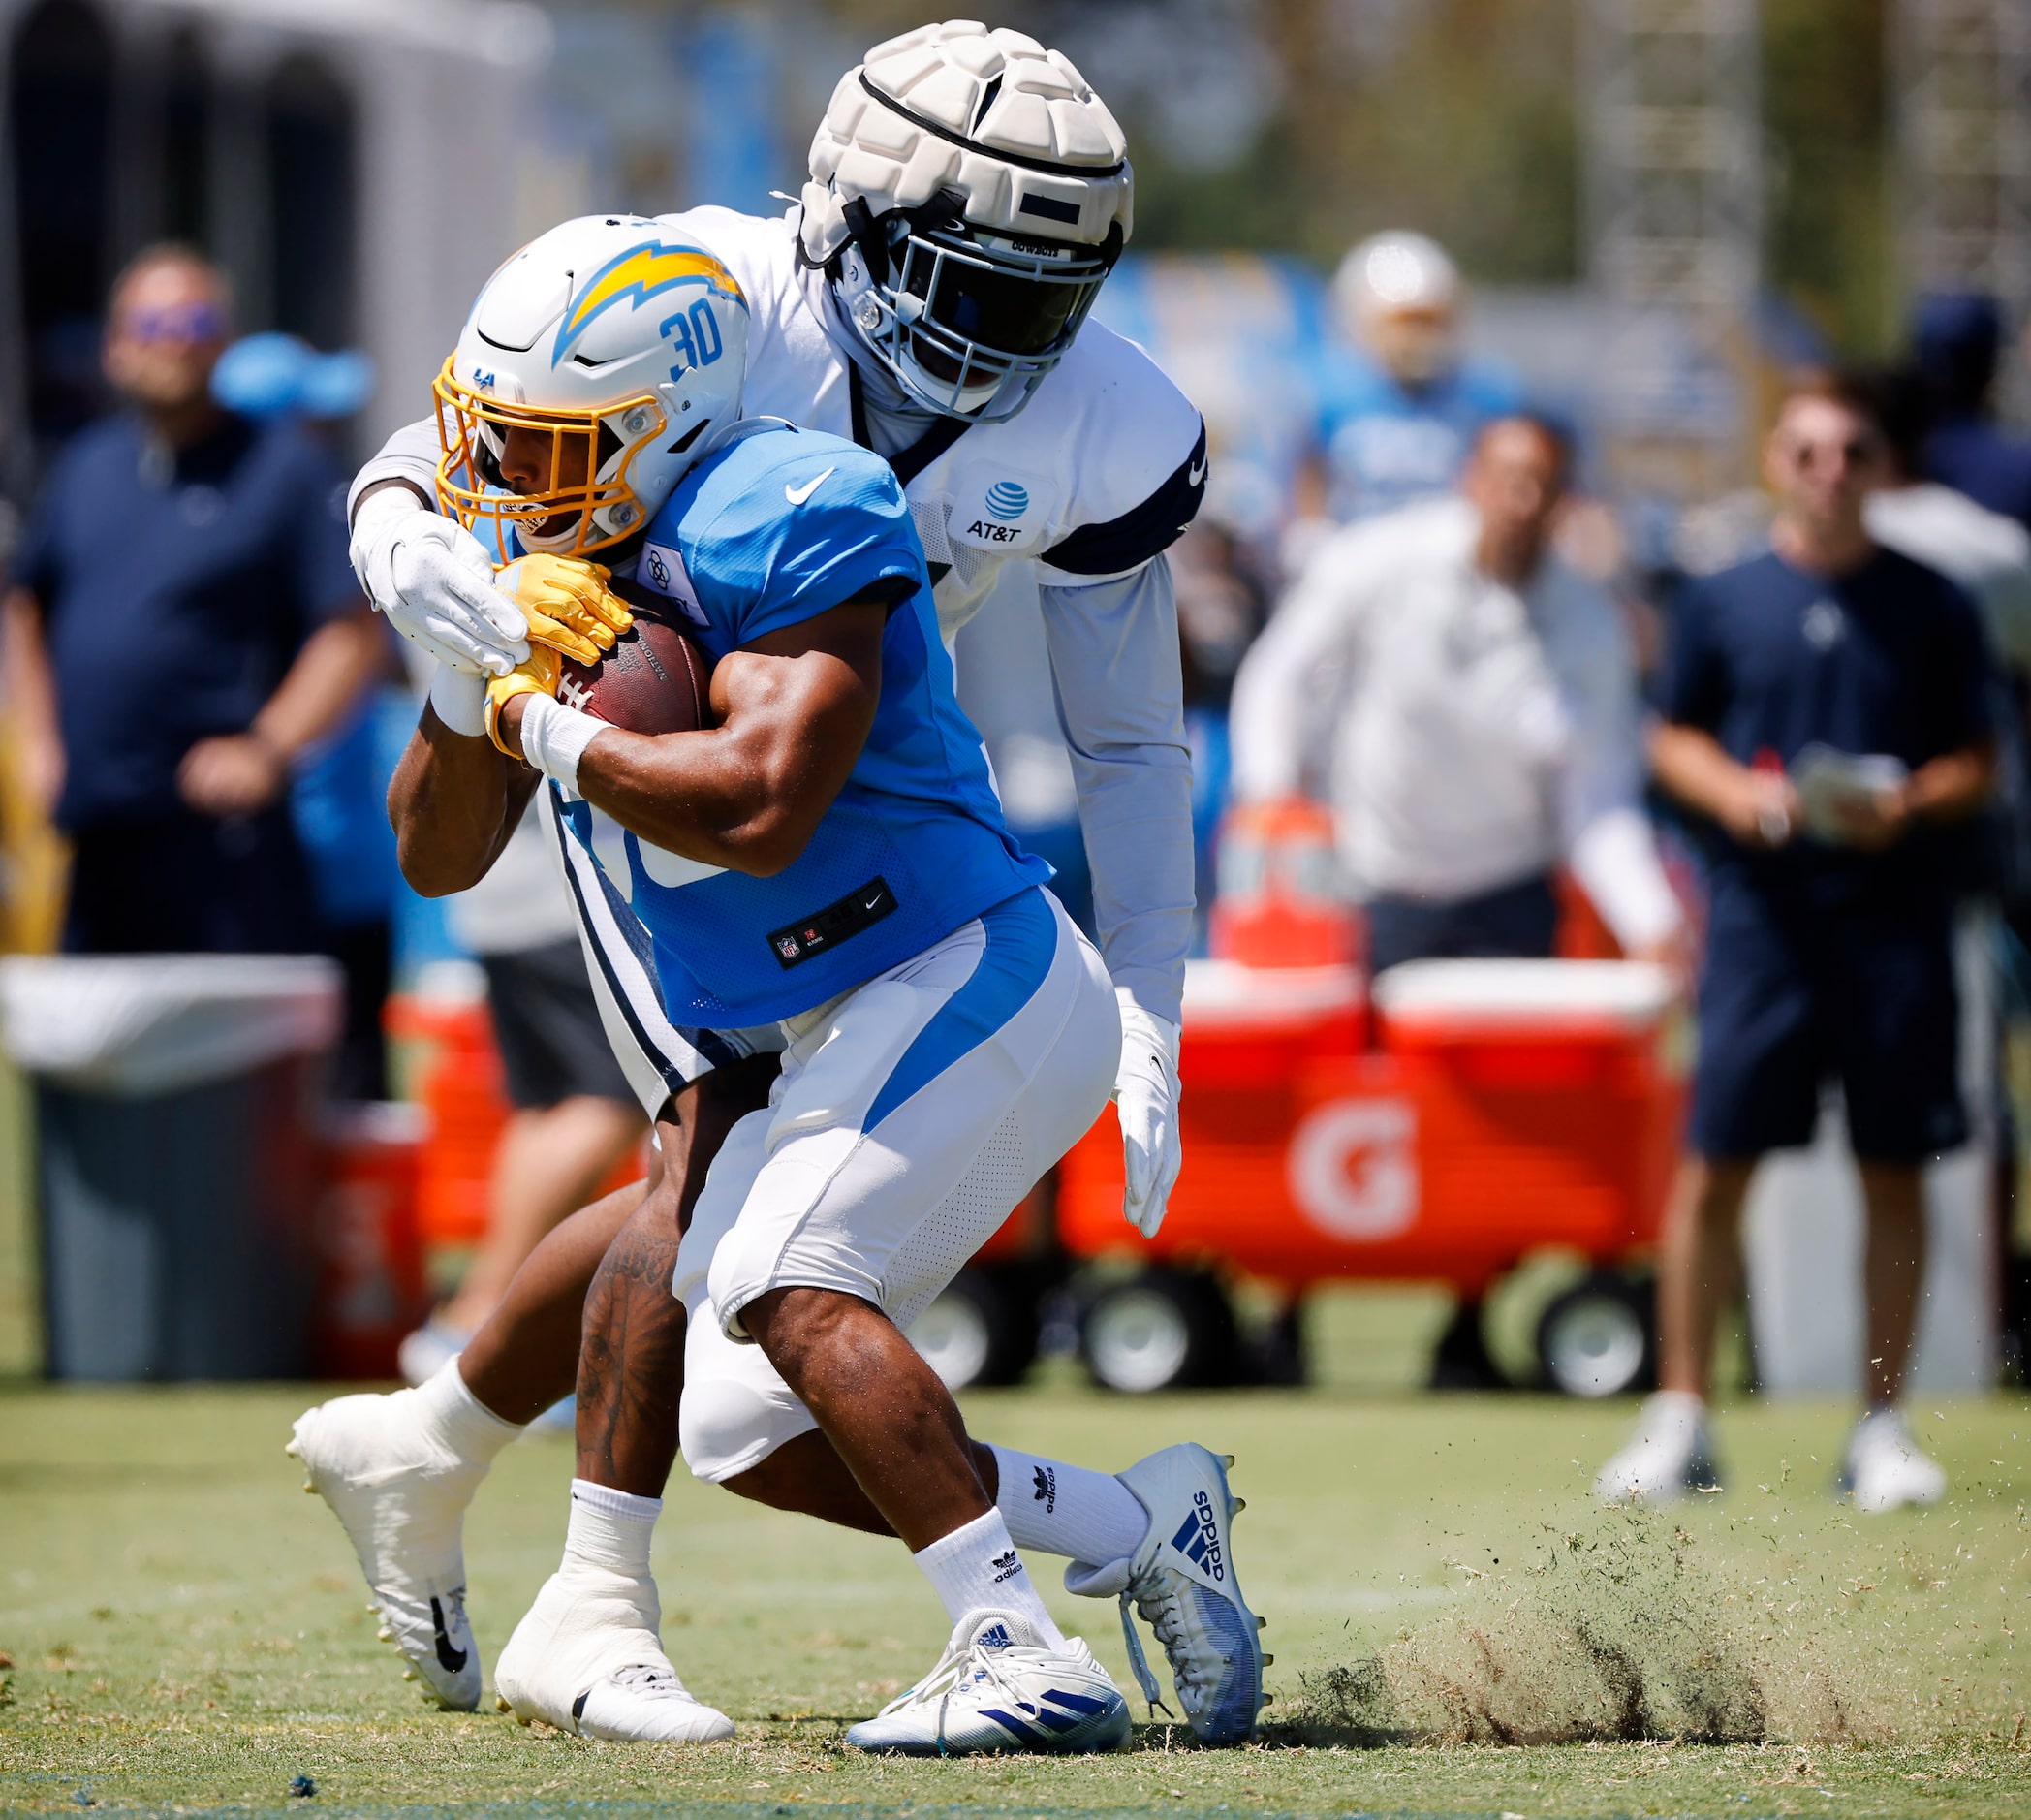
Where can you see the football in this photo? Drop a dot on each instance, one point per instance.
(654, 680)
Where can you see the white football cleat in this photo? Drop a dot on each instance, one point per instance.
(1884, 1470)
(1666, 1458)
(588, 1659)
(402, 1502)
(1182, 1580)
(997, 1687)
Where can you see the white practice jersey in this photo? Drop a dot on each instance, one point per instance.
(1986, 553)
(1092, 481)
(1479, 734)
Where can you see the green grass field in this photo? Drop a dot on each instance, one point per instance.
(1455, 1630)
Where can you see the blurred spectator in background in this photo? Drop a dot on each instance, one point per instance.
(1989, 556)
(1222, 599)
(1477, 700)
(1957, 341)
(183, 622)
(576, 1117)
(1987, 553)
(1401, 407)
(1827, 712)
(338, 801)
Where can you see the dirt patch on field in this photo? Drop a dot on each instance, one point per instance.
(1627, 1631)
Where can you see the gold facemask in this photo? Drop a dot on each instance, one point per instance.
(567, 518)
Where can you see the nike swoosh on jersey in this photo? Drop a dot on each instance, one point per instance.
(1192, 476)
(796, 495)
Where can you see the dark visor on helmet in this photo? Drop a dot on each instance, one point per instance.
(1012, 303)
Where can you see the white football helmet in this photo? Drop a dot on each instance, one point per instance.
(969, 192)
(593, 363)
(1399, 296)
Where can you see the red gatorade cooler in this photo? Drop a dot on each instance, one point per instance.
(370, 1266)
(458, 1081)
(1548, 1097)
(1511, 1106)
(1250, 1039)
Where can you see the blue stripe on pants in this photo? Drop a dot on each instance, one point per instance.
(1022, 940)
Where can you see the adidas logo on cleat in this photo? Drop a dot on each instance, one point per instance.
(1007, 1566)
(1046, 1478)
(994, 1637)
(1078, 1709)
(1197, 1538)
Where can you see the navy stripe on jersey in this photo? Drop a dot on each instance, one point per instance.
(679, 1055)
(1144, 531)
(906, 463)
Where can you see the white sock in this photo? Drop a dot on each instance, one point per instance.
(1070, 1511)
(459, 1422)
(977, 1569)
(610, 1529)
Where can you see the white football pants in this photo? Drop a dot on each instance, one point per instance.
(912, 1115)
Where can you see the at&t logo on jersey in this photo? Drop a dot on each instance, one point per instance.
(1197, 1537)
(1006, 500)
(1006, 514)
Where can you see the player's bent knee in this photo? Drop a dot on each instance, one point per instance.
(727, 1428)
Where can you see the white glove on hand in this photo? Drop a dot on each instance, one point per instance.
(434, 581)
(1145, 1097)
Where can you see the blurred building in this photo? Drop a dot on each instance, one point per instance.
(360, 167)
(1962, 74)
(353, 167)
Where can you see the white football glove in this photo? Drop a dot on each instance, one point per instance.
(434, 581)
(1145, 1102)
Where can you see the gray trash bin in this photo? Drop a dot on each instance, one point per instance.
(178, 1166)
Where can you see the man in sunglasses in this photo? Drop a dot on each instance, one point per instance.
(182, 623)
(1825, 716)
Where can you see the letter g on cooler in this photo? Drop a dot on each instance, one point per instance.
(1351, 1168)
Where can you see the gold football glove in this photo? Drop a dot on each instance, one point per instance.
(540, 676)
(567, 603)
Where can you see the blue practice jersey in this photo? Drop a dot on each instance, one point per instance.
(780, 527)
(1389, 445)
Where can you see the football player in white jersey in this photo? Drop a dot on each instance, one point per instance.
(910, 303)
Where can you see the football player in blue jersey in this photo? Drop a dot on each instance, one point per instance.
(1400, 407)
(829, 858)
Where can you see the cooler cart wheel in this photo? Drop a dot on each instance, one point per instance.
(1159, 1332)
(1461, 1360)
(1597, 1338)
(970, 1333)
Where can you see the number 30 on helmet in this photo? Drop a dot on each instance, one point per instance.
(584, 383)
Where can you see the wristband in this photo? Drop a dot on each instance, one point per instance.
(461, 700)
(554, 738)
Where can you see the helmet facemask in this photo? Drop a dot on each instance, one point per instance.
(968, 320)
(587, 502)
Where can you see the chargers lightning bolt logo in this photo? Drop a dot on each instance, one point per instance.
(637, 275)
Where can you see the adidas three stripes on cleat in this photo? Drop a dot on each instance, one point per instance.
(997, 1688)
